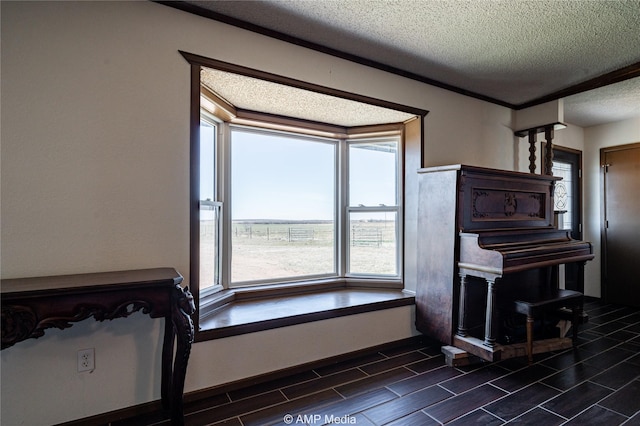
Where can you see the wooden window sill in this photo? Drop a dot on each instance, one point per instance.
(240, 316)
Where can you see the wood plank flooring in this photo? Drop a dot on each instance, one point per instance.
(596, 383)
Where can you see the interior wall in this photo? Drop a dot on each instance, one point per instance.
(95, 174)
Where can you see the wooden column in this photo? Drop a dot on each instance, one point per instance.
(548, 154)
(532, 150)
(489, 330)
(462, 309)
(548, 130)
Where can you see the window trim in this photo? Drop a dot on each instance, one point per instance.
(198, 61)
(211, 301)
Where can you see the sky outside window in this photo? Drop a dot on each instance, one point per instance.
(207, 160)
(275, 176)
(372, 174)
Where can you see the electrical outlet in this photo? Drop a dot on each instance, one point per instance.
(86, 360)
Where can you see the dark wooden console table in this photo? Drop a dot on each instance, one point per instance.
(31, 305)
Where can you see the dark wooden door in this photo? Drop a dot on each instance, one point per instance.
(621, 224)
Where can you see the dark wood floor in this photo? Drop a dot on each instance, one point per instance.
(597, 383)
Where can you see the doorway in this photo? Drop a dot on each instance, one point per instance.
(621, 224)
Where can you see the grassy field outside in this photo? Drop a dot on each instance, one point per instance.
(274, 250)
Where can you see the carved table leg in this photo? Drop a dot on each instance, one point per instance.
(167, 361)
(179, 328)
(462, 308)
(489, 336)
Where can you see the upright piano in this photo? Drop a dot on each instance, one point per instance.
(486, 236)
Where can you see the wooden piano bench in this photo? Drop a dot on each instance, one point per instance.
(532, 305)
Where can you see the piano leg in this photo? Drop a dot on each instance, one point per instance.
(580, 277)
(462, 308)
(530, 321)
(489, 334)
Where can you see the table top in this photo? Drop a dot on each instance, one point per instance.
(100, 281)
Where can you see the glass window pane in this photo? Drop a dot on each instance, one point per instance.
(207, 160)
(209, 244)
(209, 209)
(373, 173)
(562, 196)
(372, 243)
(283, 206)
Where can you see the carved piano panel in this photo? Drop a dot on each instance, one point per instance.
(497, 199)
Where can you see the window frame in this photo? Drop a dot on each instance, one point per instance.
(397, 208)
(342, 231)
(263, 128)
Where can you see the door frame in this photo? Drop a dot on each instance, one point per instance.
(573, 273)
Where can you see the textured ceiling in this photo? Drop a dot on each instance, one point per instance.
(259, 95)
(514, 53)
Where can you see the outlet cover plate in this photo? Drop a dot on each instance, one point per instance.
(86, 360)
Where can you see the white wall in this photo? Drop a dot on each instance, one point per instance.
(95, 171)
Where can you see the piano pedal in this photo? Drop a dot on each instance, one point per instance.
(564, 326)
(566, 314)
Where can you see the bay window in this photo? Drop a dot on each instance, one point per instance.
(287, 200)
(296, 204)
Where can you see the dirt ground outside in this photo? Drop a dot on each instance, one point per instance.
(283, 250)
